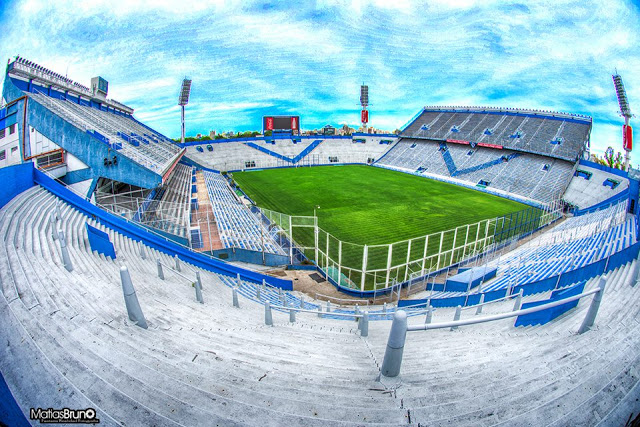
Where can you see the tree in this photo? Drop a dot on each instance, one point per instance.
(611, 159)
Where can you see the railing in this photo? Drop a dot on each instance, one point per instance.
(399, 328)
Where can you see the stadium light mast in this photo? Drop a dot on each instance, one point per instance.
(364, 101)
(625, 111)
(184, 100)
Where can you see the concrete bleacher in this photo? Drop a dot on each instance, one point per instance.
(237, 226)
(124, 134)
(584, 193)
(558, 135)
(261, 153)
(529, 176)
(68, 342)
(170, 211)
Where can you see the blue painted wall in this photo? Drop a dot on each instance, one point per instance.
(19, 177)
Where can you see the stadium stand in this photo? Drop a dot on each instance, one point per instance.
(261, 153)
(237, 226)
(591, 186)
(559, 135)
(214, 363)
(120, 133)
(528, 176)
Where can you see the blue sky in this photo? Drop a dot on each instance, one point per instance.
(249, 59)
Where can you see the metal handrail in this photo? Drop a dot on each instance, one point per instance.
(501, 316)
(176, 272)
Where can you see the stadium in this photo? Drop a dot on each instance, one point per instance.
(274, 279)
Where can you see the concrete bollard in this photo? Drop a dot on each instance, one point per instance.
(319, 311)
(198, 279)
(258, 296)
(456, 316)
(160, 272)
(292, 315)
(199, 292)
(395, 345)
(268, 319)
(301, 302)
(235, 298)
(357, 310)
(590, 318)
(54, 232)
(364, 324)
(177, 263)
(384, 308)
(66, 259)
(143, 253)
(280, 292)
(59, 210)
(328, 306)
(429, 315)
(238, 280)
(264, 285)
(283, 301)
(131, 300)
(518, 303)
(479, 309)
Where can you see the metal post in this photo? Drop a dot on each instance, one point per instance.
(292, 315)
(518, 302)
(479, 309)
(384, 308)
(199, 291)
(593, 308)
(198, 279)
(268, 319)
(319, 311)
(395, 345)
(328, 306)
(66, 259)
(131, 300)
(456, 317)
(160, 273)
(258, 293)
(365, 255)
(177, 263)
(143, 254)
(235, 298)
(364, 324)
(238, 280)
(302, 302)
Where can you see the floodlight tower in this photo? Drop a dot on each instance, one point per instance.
(625, 111)
(184, 100)
(364, 101)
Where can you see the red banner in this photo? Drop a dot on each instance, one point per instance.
(627, 137)
(269, 123)
(364, 115)
(484, 144)
(458, 141)
(294, 123)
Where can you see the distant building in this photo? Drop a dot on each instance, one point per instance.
(328, 130)
(212, 134)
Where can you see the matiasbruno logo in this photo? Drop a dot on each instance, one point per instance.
(64, 416)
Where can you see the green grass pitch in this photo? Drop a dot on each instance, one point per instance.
(369, 205)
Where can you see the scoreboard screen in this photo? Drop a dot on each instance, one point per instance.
(281, 123)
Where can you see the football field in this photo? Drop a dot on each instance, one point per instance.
(369, 205)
